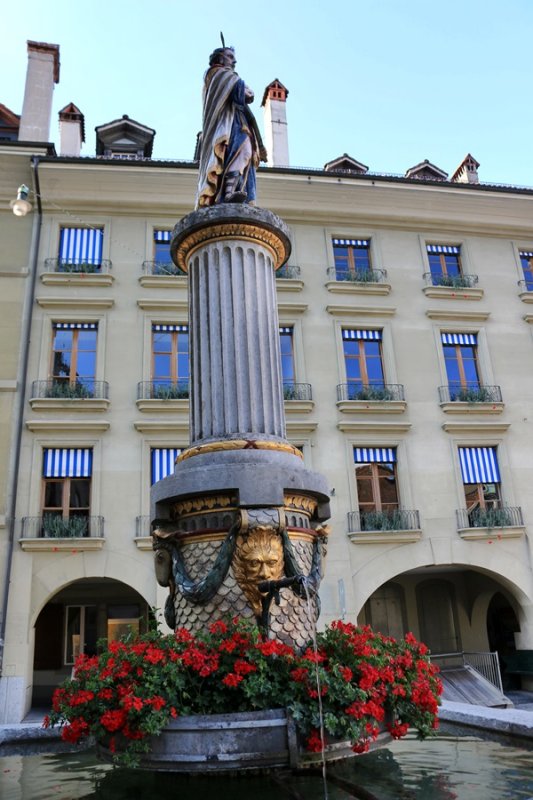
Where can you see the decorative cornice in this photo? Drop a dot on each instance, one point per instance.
(361, 311)
(374, 426)
(384, 537)
(297, 428)
(289, 285)
(491, 534)
(457, 314)
(460, 407)
(292, 308)
(72, 546)
(72, 279)
(372, 406)
(154, 304)
(476, 427)
(239, 444)
(67, 426)
(180, 427)
(8, 386)
(68, 303)
(351, 287)
(299, 406)
(86, 405)
(163, 281)
(448, 293)
(163, 406)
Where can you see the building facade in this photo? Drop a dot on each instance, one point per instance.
(407, 358)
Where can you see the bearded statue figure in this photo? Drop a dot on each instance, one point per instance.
(229, 146)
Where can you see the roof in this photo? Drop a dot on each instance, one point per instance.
(275, 84)
(8, 118)
(426, 168)
(345, 163)
(112, 132)
(468, 159)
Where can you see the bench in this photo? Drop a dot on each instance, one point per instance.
(519, 663)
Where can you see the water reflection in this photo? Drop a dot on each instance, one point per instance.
(446, 768)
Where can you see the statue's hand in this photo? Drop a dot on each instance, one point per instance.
(248, 95)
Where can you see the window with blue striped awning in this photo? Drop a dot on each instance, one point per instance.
(162, 236)
(443, 248)
(352, 242)
(287, 329)
(348, 333)
(374, 455)
(163, 461)
(170, 328)
(526, 253)
(479, 465)
(72, 462)
(81, 245)
(72, 326)
(459, 338)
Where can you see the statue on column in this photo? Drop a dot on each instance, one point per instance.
(229, 146)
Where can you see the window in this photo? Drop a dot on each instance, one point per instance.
(460, 357)
(444, 264)
(526, 259)
(80, 632)
(74, 357)
(170, 361)
(481, 478)
(162, 461)
(375, 473)
(66, 499)
(162, 247)
(352, 258)
(287, 355)
(363, 363)
(81, 247)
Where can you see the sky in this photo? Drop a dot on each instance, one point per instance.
(391, 82)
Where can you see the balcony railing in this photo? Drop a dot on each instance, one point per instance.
(469, 393)
(487, 664)
(163, 390)
(162, 268)
(499, 516)
(375, 390)
(526, 286)
(143, 527)
(82, 389)
(357, 275)
(451, 281)
(297, 391)
(395, 519)
(289, 271)
(54, 526)
(77, 266)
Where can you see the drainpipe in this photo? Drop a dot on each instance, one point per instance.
(22, 379)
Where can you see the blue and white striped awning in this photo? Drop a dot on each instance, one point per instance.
(348, 333)
(526, 253)
(479, 465)
(163, 460)
(352, 242)
(59, 462)
(81, 245)
(374, 455)
(162, 236)
(170, 328)
(444, 248)
(459, 338)
(71, 326)
(286, 329)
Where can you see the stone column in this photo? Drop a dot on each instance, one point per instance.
(236, 385)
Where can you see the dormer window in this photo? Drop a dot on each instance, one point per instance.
(125, 139)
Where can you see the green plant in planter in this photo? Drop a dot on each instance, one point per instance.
(137, 685)
(171, 391)
(382, 520)
(370, 393)
(490, 518)
(478, 394)
(56, 527)
(84, 267)
(452, 281)
(63, 390)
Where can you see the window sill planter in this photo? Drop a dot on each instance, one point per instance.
(372, 406)
(69, 404)
(76, 279)
(453, 293)
(68, 544)
(222, 743)
(164, 281)
(164, 406)
(352, 287)
(461, 407)
(490, 534)
(385, 537)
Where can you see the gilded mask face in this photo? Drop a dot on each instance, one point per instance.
(258, 557)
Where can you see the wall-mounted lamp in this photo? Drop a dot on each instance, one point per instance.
(21, 205)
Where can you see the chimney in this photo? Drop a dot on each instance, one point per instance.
(42, 73)
(466, 172)
(71, 130)
(275, 119)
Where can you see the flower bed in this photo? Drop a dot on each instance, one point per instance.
(133, 689)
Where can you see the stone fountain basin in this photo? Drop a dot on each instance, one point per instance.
(225, 743)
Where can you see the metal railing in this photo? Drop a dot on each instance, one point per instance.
(469, 393)
(55, 526)
(82, 389)
(394, 519)
(77, 266)
(487, 664)
(526, 286)
(297, 391)
(163, 390)
(357, 275)
(289, 271)
(496, 516)
(375, 390)
(143, 526)
(451, 281)
(162, 268)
